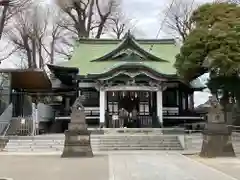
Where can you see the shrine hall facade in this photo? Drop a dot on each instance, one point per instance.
(129, 74)
(111, 75)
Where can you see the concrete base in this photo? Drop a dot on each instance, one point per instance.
(77, 144)
(217, 142)
(3, 143)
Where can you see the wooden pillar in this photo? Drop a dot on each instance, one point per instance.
(102, 102)
(159, 106)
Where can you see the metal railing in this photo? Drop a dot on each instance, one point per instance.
(6, 130)
(4, 126)
(19, 126)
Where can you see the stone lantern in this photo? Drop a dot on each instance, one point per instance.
(217, 140)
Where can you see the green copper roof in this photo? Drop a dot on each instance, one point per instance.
(94, 56)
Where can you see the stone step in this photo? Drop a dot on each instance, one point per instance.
(146, 138)
(139, 145)
(135, 137)
(112, 140)
(43, 146)
(29, 149)
(135, 141)
(98, 143)
(138, 148)
(35, 143)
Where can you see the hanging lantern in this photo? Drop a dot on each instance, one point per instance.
(113, 93)
(123, 93)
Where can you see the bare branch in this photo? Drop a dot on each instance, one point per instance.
(10, 54)
(178, 18)
(26, 34)
(11, 8)
(12, 2)
(88, 16)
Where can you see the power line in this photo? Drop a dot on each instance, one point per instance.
(163, 21)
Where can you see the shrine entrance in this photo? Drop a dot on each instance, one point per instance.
(141, 102)
(129, 101)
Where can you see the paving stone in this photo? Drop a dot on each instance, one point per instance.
(160, 166)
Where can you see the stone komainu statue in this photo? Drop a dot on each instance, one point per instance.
(78, 104)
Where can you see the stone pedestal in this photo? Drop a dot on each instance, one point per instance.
(77, 137)
(217, 141)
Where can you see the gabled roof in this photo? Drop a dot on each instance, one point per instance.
(95, 56)
(129, 49)
(65, 74)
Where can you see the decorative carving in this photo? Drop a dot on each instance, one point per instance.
(78, 104)
(159, 86)
(132, 74)
(164, 86)
(131, 82)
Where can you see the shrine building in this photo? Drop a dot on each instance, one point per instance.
(130, 74)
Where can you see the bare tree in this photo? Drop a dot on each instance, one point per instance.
(178, 18)
(89, 16)
(119, 24)
(8, 8)
(33, 37)
(118, 27)
(60, 40)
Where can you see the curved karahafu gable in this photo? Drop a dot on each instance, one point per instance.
(132, 68)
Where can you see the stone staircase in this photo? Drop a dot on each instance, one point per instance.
(55, 143)
(43, 143)
(139, 142)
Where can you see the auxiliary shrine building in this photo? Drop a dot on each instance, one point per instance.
(112, 75)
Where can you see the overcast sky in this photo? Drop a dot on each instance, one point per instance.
(148, 15)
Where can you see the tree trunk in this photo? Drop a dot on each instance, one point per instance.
(100, 30)
(41, 61)
(3, 19)
(89, 23)
(52, 51)
(34, 51)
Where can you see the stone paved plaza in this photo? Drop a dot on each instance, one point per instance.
(113, 166)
